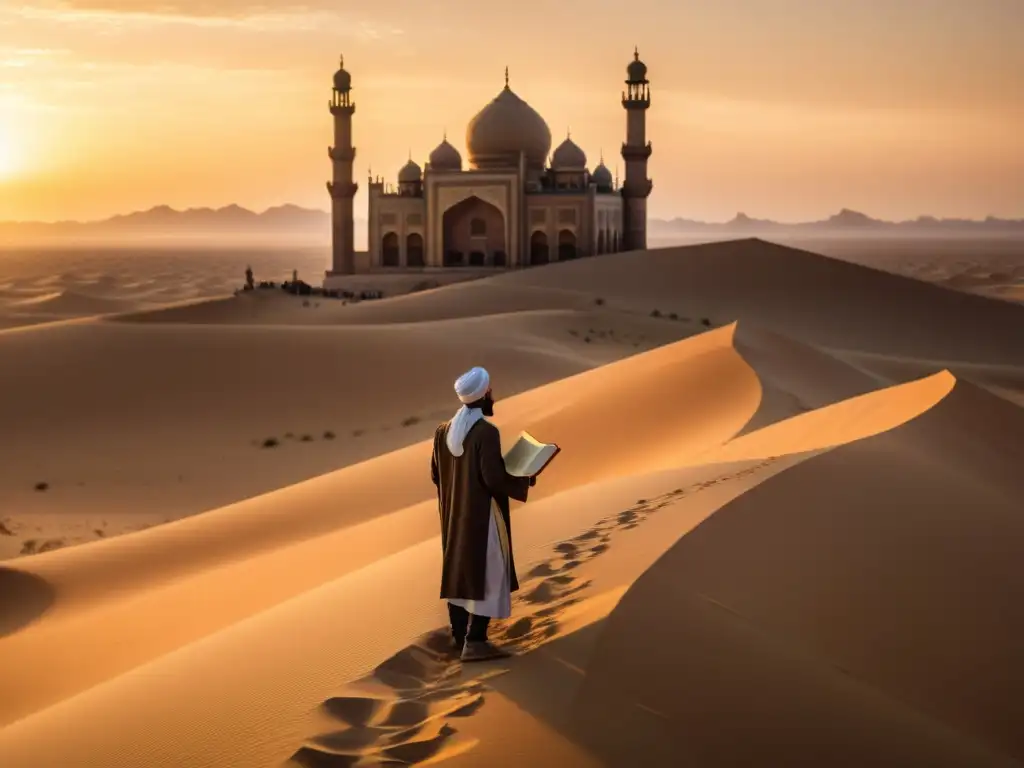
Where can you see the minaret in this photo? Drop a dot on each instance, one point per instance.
(636, 150)
(342, 188)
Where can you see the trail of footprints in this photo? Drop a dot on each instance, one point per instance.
(402, 713)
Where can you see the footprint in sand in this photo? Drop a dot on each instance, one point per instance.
(566, 548)
(626, 517)
(406, 725)
(401, 714)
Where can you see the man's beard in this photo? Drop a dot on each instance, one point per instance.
(485, 404)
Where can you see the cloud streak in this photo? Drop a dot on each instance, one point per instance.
(199, 9)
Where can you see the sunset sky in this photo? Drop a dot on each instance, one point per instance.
(788, 109)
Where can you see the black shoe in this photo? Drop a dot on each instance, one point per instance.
(482, 650)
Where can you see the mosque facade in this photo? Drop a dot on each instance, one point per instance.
(517, 204)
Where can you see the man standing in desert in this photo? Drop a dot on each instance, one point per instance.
(473, 492)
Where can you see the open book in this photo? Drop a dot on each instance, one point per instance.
(529, 456)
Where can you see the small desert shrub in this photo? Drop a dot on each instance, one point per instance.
(599, 301)
(706, 322)
(655, 313)
(410, 421)
(306, 438)
(356, 432)
(36, 547)
(4, 530)
(99, 532)
(573, 332)
(270, 442)
(42, 486)
(673, 316)
(586, 339)
(305, 303)
(328, 435)
(289, 435)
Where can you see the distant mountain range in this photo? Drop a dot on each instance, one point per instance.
(232, 221)
(844, 222)
(293, 222)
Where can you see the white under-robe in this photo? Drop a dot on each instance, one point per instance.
(497, 602)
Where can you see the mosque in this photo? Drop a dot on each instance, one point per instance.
(517, 204)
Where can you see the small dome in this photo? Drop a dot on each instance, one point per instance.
(503, 128)
(445, 157)
(342, 79)
(637, 70)
(410, 172)
(602, 176)
(568, 156)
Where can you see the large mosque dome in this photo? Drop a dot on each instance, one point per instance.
(503, 128)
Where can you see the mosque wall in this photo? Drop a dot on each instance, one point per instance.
(566, 224)
(398, 231)
(608, 223)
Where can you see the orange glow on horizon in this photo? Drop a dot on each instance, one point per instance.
(108, 106)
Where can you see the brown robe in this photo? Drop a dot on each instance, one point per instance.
(465, 486)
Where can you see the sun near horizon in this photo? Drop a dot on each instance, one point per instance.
(771, 107)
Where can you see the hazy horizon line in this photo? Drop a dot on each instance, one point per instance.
(675, 217)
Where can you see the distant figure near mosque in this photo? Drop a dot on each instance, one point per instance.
(514, 207)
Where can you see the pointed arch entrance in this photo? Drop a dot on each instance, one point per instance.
(414, 250)
(566, 245)
(473, 231)
(539, 251)
(389, 251)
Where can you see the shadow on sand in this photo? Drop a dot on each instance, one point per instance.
(23, 599)
(407, 711)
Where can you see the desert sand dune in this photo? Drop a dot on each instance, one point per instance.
(808, 297)
(70, 304)
(199, 575)
(404, 610)
(1007, 381)
(895, 576)
(281, 527)
(180, 428)
(474, 298)
(810, 518)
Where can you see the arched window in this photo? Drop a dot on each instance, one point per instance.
(499, 259)
(414, 250)
(477, 228)
(389, 250)
(566, 245)
(476, 259)
(539, 248)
